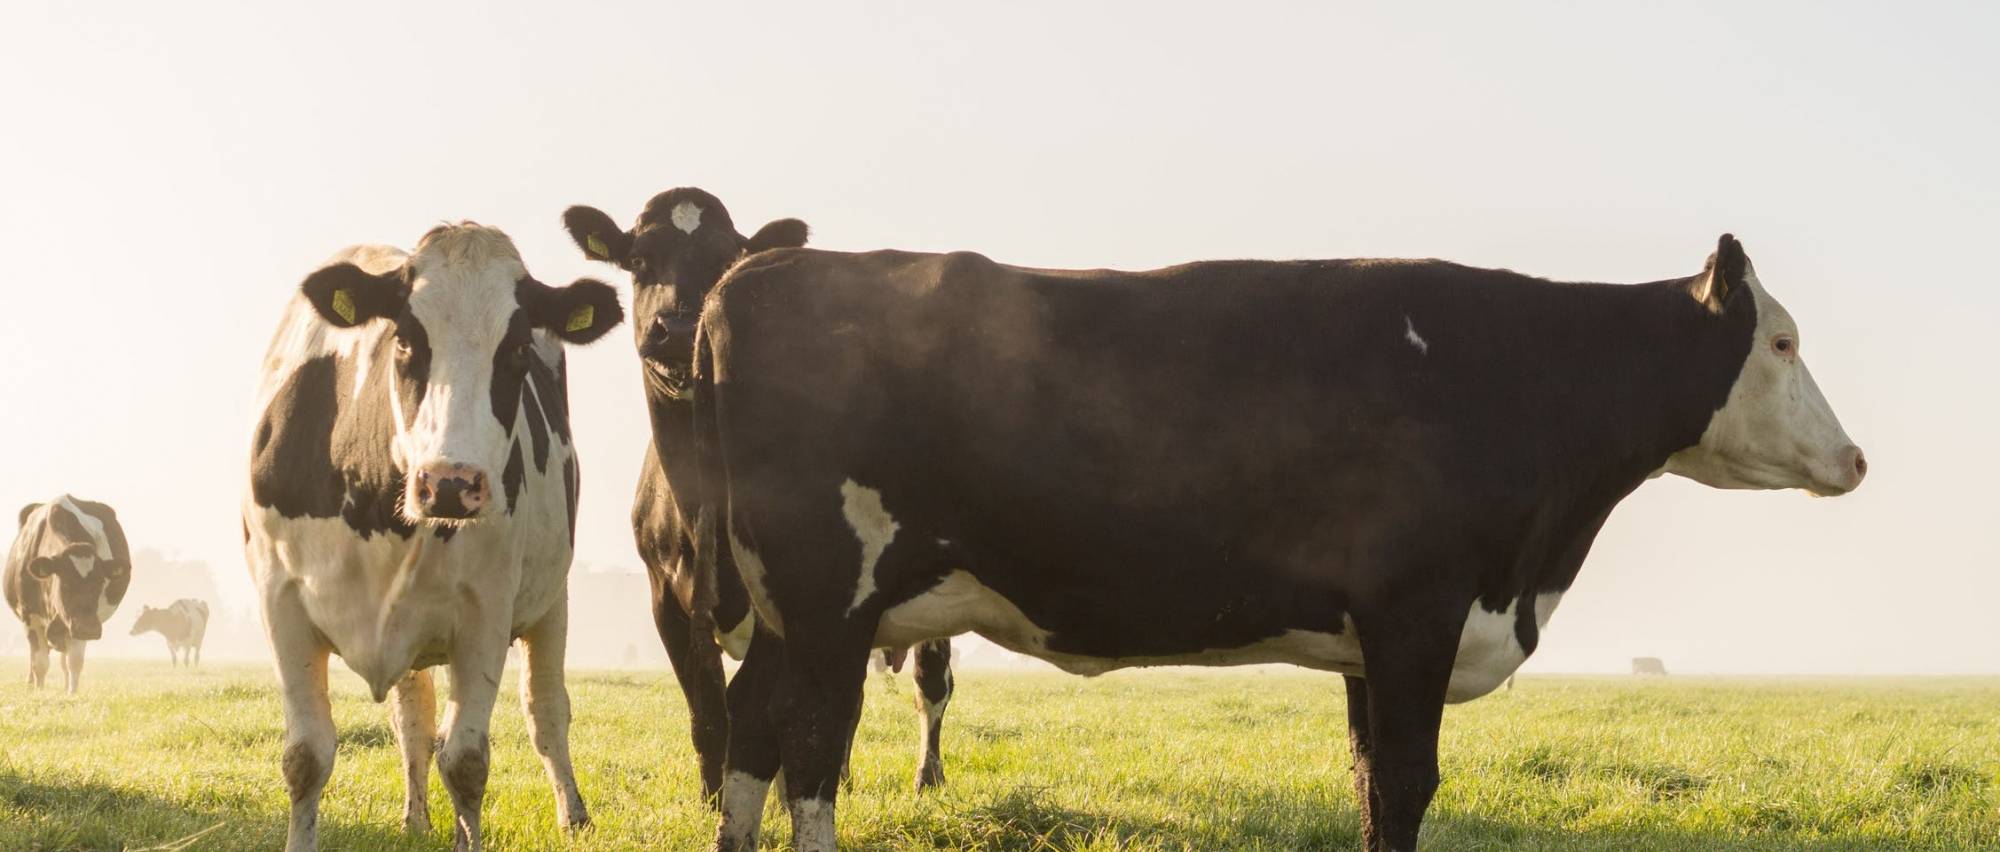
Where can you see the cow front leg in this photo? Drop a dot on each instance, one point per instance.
(816, 708)
(38, 661)
(465, 752)
(934, 687)
(753, 744)
(309, 735)
(1406, 681)
(702, 685)
(414, 713)
(73, 665)
(545, 702)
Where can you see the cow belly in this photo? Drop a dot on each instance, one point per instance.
(960, 604)
(1489, 649)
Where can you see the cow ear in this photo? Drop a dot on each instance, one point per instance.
(346, 295)
(781, 233)
(43, 567)
(597, 235)
(579, 313)
(25, 512)
(1723, 276)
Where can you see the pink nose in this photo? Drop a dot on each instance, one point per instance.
(451, 491)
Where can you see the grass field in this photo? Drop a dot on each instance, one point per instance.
(1245, 759)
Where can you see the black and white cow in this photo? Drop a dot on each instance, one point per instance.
(183, 623)
(66, 574)
(683, 242)
(1388, 469)
(412, 503)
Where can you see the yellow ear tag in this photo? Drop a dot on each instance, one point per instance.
(597, 248)
(343, 304)
(581, 318)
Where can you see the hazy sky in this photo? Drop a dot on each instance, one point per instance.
(170, 172)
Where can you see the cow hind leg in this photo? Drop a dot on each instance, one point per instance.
(1405, 691)
(414, 713)
(934, 687)
(753, 744)
(702, 685)
(465, 752)
(816, 708)
(1365, 797)
(545, 702)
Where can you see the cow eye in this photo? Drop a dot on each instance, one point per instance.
(402, 347)
(1785, 345)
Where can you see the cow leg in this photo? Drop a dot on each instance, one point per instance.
(545, 702)
(753, 744)
(1407, 678)
(816, 708)
(463, 757)
(702, 686)
(73, 665)
(38, 660)
(414, 712)
(309, 735)
(1365, 797)
(934, 685)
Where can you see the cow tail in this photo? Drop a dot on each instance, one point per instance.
(711, 505)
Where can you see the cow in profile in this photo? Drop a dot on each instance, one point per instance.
(182, 623)
(683, 242)
(1649, 666)
(1389, 469)
(411, 502)
(66, 574)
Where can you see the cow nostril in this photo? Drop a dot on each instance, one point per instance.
(1860, 464)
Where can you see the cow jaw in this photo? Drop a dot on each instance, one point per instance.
(1776, 430)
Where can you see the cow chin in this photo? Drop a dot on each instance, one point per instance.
(86, 632)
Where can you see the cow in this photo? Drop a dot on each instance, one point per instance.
(66, 574)
(1649, 666)
(1389, 469)
(182, 623)
(683, 242)
(411, 502)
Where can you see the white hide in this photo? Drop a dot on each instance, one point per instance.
(873, 527)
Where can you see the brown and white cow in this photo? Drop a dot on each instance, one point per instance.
(66, 574)
(682, 243)
(182, 623)
(1388, 469)
(411, 502)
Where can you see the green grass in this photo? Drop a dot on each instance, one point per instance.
(1246, 759)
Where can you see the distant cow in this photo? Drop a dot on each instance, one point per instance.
(1390, 469)
(411, 503)
(684, 241)
(1649, 666)
(66, 574)
(182, 623)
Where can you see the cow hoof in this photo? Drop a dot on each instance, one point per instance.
(417, 822)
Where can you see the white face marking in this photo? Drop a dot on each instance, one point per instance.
(464, 295)
(1410, 334)
(742, 809)
(872, 527)
(1488, 649)
(687, 216)
(812, 825)
(1776, 430)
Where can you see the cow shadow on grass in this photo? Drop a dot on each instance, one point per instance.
(45, 813)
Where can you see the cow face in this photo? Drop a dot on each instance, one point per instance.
(467, 327)
(75, 581)
(682, 245)
(149, 619)
(1776, 430)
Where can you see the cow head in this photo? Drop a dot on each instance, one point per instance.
(149, 619)
(1776, 430)
(466, 327)
(75, 579)
(682, 245)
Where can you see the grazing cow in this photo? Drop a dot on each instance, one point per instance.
(1388, 469)
(684, 241)
(182, 623)
(66, 574)
(1649, 666)
(412, 503)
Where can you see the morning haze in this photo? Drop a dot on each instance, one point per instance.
(165, 200)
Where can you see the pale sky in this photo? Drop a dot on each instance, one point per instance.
(170, 172)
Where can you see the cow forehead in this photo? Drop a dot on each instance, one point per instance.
(464, 281)
(1771, 316)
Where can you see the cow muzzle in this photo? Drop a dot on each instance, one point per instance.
(1843, 474)
(86, 632)
(454, 492)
